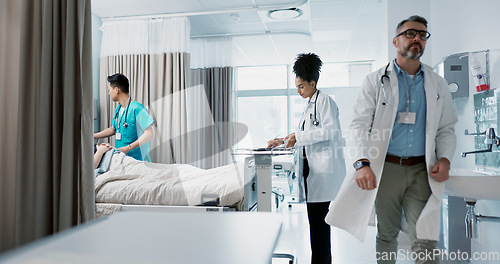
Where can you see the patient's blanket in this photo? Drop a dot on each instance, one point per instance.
(129, 181)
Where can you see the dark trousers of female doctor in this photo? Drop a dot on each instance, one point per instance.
(319, 230)
(319, 140)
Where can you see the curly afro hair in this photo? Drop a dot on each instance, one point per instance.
(307, 67)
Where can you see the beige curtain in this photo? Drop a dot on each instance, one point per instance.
(10, 28)
(136, 68)
(158, 78)
(158, 82)
(168, 78)
(212, 141)
(46, 182)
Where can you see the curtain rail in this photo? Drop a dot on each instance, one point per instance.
(252, 34)
(212, 12)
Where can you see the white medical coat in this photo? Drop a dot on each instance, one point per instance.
(371, 129)
(324, 148)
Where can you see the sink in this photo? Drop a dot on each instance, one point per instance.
(473, 184)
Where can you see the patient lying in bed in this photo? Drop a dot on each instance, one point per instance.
(99, 151)
(126, 180)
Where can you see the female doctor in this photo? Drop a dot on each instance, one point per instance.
(319, 143)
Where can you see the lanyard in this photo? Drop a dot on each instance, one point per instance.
(121, 116)
(407, 92)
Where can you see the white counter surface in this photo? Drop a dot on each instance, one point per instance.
(156, 237)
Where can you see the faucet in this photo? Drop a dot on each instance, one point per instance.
(472, 219)
(491, 139)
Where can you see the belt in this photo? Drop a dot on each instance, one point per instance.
(405, 161)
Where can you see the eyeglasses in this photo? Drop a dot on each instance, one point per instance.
(411, 33)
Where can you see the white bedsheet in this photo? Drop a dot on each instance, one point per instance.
(129, 181)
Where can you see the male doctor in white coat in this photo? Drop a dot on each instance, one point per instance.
(401, 144)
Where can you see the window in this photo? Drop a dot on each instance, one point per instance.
(261, 78)
(266, 118)
(268, 104)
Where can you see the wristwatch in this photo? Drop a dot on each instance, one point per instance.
(360, 164)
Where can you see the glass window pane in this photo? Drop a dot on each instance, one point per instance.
(331, 75)
(358, 73)
(334, 75)
(344, 98)
(291, 78)
(262, 78)
(297, 105)
(265, 118)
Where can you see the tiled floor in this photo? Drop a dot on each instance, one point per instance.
(294, 239)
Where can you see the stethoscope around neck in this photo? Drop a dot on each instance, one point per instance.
(125, 124)
(315, 121)
(385, 76)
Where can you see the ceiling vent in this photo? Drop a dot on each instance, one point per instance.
(285, 14)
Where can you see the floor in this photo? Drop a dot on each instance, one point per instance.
(294, 239)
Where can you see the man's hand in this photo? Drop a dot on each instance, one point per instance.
(125, 149)
(365, 178)
(440, 171)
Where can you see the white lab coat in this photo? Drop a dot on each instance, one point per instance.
(371, 130)
(324, 148)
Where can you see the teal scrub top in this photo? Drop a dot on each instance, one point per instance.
(138, 119)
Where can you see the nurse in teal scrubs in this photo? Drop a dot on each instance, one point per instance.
(131, 123)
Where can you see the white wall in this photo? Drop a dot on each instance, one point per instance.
(461, 26)
(398, 10)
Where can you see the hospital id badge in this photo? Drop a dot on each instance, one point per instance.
(118, 136)
(406, 118)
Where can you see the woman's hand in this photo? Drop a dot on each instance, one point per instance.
(291, 140)
(275, 142)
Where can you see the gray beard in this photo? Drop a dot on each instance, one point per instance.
(412, 56)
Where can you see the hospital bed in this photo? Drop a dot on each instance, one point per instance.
(131, 185)
(263, 158)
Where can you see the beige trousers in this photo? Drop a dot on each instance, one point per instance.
(402, 188)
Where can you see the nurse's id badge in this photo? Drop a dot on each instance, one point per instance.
(407, 118)
(118, 136)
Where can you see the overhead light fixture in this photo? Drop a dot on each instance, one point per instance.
(285, 14)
